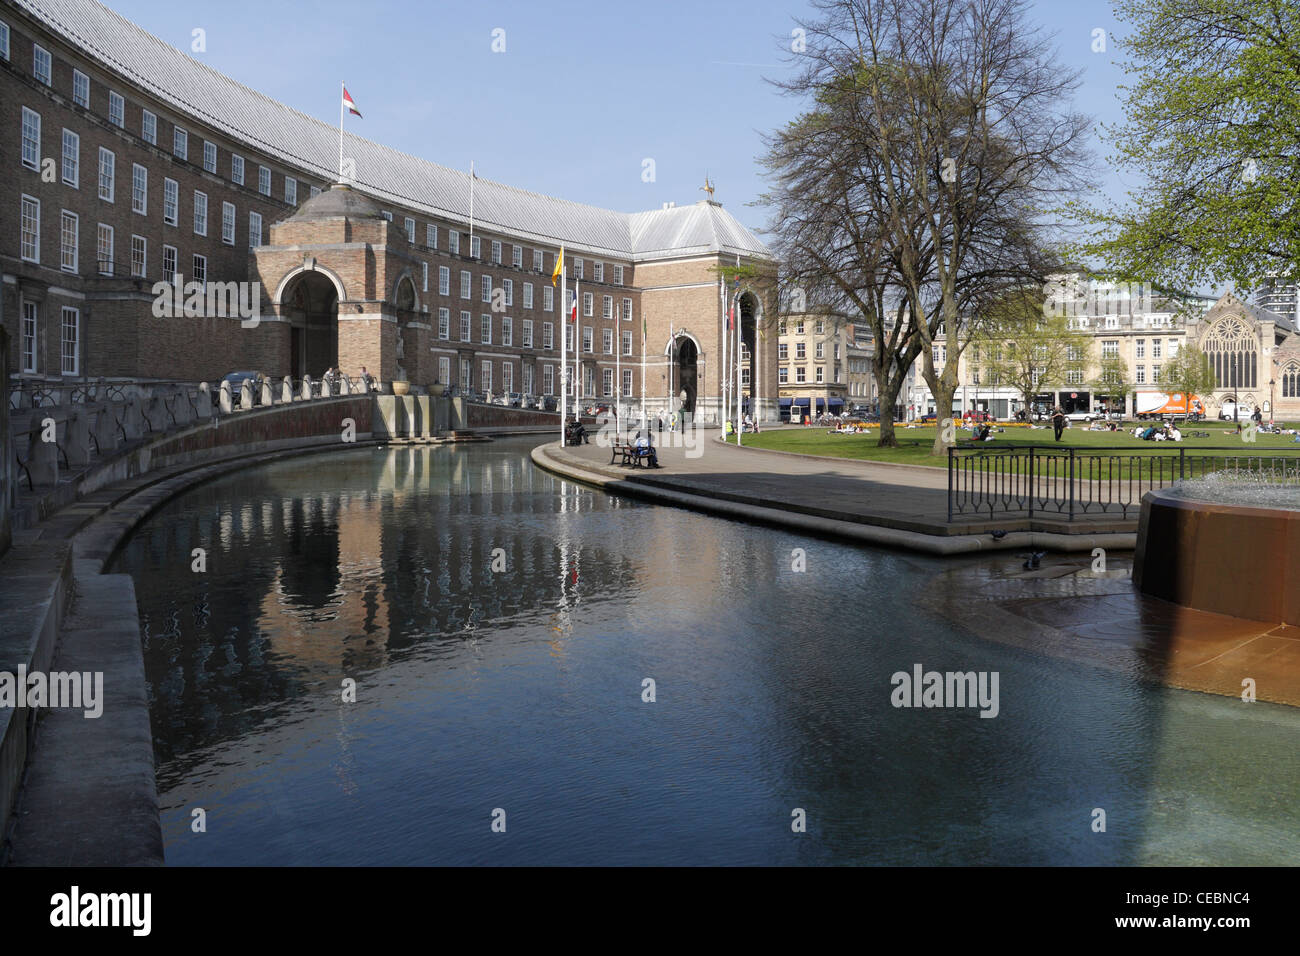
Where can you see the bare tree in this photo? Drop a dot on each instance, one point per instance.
(926, 179)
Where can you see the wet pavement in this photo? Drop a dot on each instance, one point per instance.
(1067, 609)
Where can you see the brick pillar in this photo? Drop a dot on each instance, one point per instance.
(370, 340)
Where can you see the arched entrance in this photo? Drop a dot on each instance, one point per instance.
(688, 358)
(404, 302)
(310, 304)
(749, 310)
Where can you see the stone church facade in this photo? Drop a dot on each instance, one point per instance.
(1255, 354)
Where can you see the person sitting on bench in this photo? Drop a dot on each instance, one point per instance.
(578, 433)
(645, 448)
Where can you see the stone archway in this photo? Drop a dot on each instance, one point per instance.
(688, 357)
(406, 305)
(309, 302)
(749, 317)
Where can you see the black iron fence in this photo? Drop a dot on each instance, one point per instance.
(1101, 480)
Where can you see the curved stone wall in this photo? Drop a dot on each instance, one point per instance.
(1229, 559)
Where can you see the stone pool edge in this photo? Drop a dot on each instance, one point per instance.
(550, 457)
(80, 555)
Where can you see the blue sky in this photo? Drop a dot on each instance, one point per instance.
(583, 93)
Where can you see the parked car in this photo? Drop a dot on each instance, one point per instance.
(515, 400)
(1081, 416)
(236, 380)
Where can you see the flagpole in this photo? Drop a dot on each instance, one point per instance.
(471, 207)
(672, 342)
(564, 347)
(645, 419)
(739, 319)
(342, 91)
(577, 319)
(618, 376)
(753, 378)
(724, 369)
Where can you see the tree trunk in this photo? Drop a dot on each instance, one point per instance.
(943, 393)
(888, 401)
(887, 437)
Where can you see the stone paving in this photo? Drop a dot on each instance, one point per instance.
(903, 497)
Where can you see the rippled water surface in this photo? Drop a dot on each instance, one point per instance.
(1256, 491)
(521, 689)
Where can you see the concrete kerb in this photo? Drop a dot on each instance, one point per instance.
(545, 457)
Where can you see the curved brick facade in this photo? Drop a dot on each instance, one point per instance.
(105, 202)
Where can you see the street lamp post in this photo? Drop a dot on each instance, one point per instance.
(1271, 382)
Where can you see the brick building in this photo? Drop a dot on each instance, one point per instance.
(132, 165)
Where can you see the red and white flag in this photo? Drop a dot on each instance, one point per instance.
(351, 106)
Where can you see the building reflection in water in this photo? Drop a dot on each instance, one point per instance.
(333, 566)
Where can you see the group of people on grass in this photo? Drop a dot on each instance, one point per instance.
(1165, 432)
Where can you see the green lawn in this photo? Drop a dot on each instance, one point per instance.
(915, 443)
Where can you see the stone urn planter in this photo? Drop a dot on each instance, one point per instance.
(401, 388)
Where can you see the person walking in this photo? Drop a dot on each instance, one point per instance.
(1058, 421)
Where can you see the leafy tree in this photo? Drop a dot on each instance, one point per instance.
(915, 190)
(1212, 127)
(1027, 350)
(1189, 372)
(1111, 380)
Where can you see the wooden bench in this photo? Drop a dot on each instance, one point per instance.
(630, 455)
(624, 452)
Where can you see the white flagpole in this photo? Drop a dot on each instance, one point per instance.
(577, 347)
(564, 347)
(342, 90)
(724, 369)
(753, 378)
(738, 320)
(645, 419)
(618, 376)
(471, 207)
(672, 342)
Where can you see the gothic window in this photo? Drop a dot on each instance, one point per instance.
(1291, 381)
(1233, 351)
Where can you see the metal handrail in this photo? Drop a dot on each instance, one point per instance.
(1099, 479)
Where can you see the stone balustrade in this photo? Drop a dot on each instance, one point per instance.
(95, 419)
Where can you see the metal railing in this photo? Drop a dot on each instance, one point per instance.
(1106, 480)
